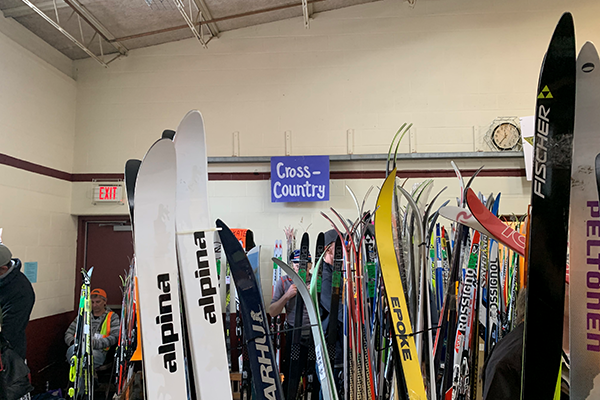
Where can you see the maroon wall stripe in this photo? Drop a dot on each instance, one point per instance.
(447, 173)
(35, 168)
(239, 176)
(261, 176)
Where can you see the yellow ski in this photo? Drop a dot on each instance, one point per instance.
(395, 291)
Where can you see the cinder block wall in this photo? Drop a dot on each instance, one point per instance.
(450, 67)
(447, 66)
(37, 124)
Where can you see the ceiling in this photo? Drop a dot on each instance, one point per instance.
(104, 29)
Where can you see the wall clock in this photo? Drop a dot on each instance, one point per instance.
(504, 134)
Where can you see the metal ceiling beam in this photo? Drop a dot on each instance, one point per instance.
(305, 14)
(245, 14)
(191, 24)
(21, 11)
(64, 32)
(96, 25)
(206, 15)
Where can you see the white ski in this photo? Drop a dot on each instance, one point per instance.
(463, 216)
(154, 221)
(585, 232)
(197, 263)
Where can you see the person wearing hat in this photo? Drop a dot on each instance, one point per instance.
(16, 301)
(284, 295)
(104, 328)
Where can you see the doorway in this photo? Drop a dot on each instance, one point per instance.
(105, 243)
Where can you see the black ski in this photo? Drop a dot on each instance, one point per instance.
(132, 167)
(336, 292)
(597, 164)
(297, 356)
(256, 330)
(318, 252)
(168, 134)
(554, 116)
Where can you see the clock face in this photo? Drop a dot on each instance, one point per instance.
(505, 136)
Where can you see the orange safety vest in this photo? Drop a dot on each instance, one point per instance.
(105, 328)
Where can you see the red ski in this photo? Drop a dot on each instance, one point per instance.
(499, 230)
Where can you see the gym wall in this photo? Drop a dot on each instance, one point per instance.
(37, 142)
(450, 67)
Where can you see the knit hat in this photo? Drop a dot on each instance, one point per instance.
(99, 292)
(296, 256)
(330, 237)
(5, 255)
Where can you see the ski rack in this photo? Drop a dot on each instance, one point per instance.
(368, 157)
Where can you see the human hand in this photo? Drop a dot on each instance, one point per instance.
(291, 292)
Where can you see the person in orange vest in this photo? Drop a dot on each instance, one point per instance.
(104, 328)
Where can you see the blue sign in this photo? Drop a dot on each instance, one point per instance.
(30, 270)
(304, 178)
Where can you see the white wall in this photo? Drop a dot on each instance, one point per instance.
(27, 39)
(37, 110)
(247, 204)
(446, 66)
(449, 66)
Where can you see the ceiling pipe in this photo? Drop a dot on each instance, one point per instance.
(210, 21)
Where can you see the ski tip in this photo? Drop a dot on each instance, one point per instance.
(168, 134)
(193, 116)
(588, 46)
(564, 28)
(587, 59)
(159, 144)
(193, 112)
(566, 18)
(132, 163)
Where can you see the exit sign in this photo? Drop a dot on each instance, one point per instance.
(112, 193)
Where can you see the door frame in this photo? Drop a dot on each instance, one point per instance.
(82, 225)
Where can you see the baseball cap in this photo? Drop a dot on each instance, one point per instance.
(99, 292)
(330, 237)
(296, 256)
(5, 255)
